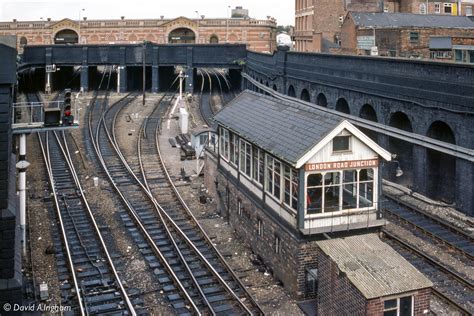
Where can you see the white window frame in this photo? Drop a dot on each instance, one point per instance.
(239, 207)
(423, 9)
(260, 227)
(437, 7)
(342, 134)
(341, 211)
(447, 5)
(397, 308)
(245, 150)
(468, 10)
(260, 162)
(271, 191)
(283, 175)
(224, 140)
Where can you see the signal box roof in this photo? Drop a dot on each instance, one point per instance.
(289, 130)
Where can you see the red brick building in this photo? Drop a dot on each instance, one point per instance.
(361, 275)
(259, 35)
(399, 34)
(318, 22)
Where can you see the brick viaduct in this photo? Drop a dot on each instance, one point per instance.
(427, 98)
(432, 99)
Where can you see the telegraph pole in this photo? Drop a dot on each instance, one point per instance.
(144, 68)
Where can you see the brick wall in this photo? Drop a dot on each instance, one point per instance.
(260, 35)
(336, 295)
(421, 303)
(287, 266)
(10, 260)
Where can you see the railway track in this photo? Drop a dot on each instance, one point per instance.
(220, 287)
(139, 215)
(90, 282)
(207, 106)
(448, 285)
(431, 226)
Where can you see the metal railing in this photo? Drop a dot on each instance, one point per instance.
(32, 114)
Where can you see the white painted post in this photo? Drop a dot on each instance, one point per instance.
(21, 166)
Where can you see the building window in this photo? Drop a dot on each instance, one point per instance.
(349, 189)
(437, 6)
(260, 227)
(414, 37)
(366, 188)
(401, 306)
(239, 207)
(339, 190)
(468, 10)
(277, 244)
(272, 183)
(423, 8)
(311, 282)
(341, 143)
(234, 148)
(448, 8)
(245, 157)
(224, 143)
(291, 186)
(257, 165)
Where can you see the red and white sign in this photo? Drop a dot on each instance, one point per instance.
(337, 165)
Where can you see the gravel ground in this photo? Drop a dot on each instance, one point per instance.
(41, 221)
(129, 261)
(267, 292)
(436, 208)
(132, 267)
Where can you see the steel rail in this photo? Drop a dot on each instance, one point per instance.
(70, 163)
(45, 153)
(177, 228)
(172, 239)
(456, 276)
(158, 253)
(189, 213)
(440, 222)
(417, 139)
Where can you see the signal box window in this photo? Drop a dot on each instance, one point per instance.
(341, 143)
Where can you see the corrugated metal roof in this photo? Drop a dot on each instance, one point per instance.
(286, 129)
(374, 267)
(397, 20)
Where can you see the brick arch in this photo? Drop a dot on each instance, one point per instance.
(63, 30)
(179, 26)
(150, 38)
(233, 38)
(132, 38)
(94, 38)
(441, 167)
(110, 38)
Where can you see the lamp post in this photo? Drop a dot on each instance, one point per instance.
(144, 69)
(42, 30)
(80, 11)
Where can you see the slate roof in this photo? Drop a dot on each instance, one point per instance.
(398, 20)
(373, 267)
(286, 129)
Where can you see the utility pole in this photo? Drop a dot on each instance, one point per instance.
(144, 68)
